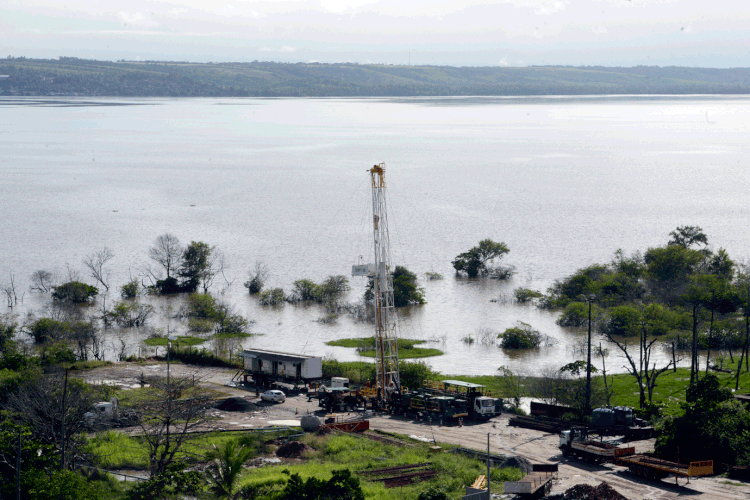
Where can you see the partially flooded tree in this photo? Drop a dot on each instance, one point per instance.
(256, 278)
(167, 253)
(42, 281)
(474, 262)
(95, 263)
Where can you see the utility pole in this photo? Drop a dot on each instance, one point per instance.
(62, 422)
(18, 467)
(488, 467)
(590, 299)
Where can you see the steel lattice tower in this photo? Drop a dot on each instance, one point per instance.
(386, 348)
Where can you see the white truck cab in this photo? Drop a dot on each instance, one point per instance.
(484, 407)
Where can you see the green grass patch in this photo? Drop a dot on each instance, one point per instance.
(406, 347)
(183, 341)
(357, 453)
(232, 335)
(115, 450)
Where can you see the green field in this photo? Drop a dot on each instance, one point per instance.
(406, 348)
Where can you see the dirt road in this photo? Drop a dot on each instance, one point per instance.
(534, 445)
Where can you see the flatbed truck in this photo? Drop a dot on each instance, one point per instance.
(649, 467)
(575, 442)
(534, 485)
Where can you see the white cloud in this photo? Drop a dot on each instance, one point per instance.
(550, 8)
(136, 19)
(344, 5)
(284, 48)
(503, 61)
(599, 30)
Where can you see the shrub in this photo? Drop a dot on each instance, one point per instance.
(130, 290)
(272, 297)
(47, 329)
(74, 292)
(525, 295)
(521, 336)
(576, 314)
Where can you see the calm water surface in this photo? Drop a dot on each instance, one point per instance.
(563, 181)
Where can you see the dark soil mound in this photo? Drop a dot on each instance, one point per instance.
(292, 449)
(235, 404)
(586, 492)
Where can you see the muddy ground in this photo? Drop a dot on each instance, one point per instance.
(536, 446)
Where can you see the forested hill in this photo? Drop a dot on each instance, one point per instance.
(82, 77)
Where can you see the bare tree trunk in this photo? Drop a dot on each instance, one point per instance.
(710, 334)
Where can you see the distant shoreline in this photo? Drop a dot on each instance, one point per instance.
(73, 77)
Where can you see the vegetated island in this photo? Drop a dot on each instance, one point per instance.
(70, 76)
(406, 347)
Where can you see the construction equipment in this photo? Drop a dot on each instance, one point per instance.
(480, 405)
(107, 414)
(387, 377)
(576, 442)
(619, 421)
(534, 485)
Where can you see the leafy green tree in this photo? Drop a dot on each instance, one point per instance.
(342, 486)
(520, 336)
(74, 292)
(575, 314)
(474, 262)
(305, 290)
(48, 329)
(687, 236)
(405, 289)
(226, 465)
(8, 327)
(174, 482)
(195, 265)
(585, 282)
(713, 427)
(415, 374)
(621, 321)
(669, 268)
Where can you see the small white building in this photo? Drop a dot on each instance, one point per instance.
(267, 365)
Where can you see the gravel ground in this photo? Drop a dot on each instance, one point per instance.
(534, 445)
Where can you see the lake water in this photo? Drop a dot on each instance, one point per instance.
(563, 181)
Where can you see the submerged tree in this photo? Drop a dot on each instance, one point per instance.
(474, 262)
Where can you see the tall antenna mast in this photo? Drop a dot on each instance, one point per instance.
(386, 348)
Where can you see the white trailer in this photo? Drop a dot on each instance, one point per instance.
(266, 365)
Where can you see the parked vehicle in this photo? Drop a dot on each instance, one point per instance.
(575, 442)
(107, 414)
(274, 396)
(534, 485)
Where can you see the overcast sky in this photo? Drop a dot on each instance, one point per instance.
(703, 33)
